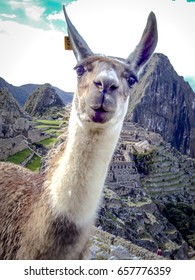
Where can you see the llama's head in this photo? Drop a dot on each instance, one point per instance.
(104, 83)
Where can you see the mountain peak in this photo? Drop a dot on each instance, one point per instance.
(162, 102)
(44, 101)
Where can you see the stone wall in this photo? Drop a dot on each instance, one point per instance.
(12, 145)
(132, 132)
(170, 172)
(36, 135)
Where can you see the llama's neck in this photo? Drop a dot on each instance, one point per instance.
(77, 182)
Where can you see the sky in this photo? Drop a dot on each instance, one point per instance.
(32, 36)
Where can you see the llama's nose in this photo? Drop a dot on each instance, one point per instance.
(106, 81)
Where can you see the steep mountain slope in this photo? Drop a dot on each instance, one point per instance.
(65, 96)
(21, 93)
(44, 102)
(13, 120)
(164, 103)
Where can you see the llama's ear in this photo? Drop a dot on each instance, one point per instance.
(80, 47)
(146, 46)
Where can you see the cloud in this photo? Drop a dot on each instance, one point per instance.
(46, 15)
(56, 16)
(15, 4)
(32, 55)
(8, 16)
(32, 11)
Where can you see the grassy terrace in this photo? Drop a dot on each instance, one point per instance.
(49, 126)
(47, 122)
(45, 127)
(19, 157)
(34, 163)
(48, 142)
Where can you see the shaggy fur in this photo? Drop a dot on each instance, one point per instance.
(29, 228)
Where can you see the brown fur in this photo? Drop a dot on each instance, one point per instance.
(19, 189)
(28, 227)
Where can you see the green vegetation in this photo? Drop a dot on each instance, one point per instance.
(57, 134)
(50, 127)
(42, 126)
(19, 157)
(48, 122)
(34, 163)
(48, 142)
(144, 160)
(182, 216)
(50, 130)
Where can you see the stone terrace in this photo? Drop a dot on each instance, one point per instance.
(169, 170)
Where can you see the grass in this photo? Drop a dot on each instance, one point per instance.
(51, 130)
(47, 122)
(34, 163)
(50, 122)
(58, 133)
(19, 157)
(47, 126)
(48, 142)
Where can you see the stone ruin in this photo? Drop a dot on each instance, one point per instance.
(123, 175)
(15, 127)
(13, 119)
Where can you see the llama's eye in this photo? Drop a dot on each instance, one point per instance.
(80, 70)
(131, 81)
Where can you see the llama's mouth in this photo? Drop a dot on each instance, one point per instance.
(100, 115)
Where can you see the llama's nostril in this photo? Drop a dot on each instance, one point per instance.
(106, 84)
(113, 87)
(98, 84)
(107, 80)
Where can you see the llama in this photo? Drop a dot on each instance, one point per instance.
(50, 215)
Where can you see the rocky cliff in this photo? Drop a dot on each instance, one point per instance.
(164, 103)
(44, 102)
(13, 119)
(19, 93)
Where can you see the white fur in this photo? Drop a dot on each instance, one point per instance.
(77, 183)
(110, 74)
